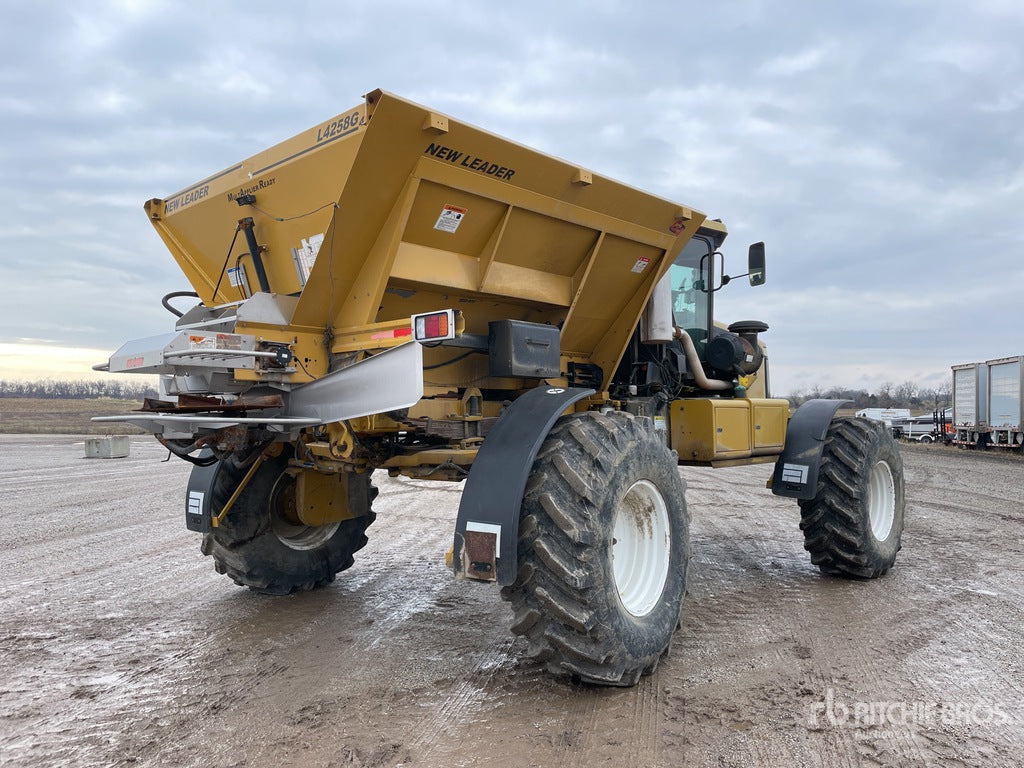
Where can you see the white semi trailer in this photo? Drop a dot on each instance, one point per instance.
(988, 403)
(1006, 401)
(970, 404)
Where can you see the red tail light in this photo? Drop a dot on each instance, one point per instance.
(432, 326)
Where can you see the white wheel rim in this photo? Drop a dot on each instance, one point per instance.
(303, 537)
(881, 500)
(641, 548)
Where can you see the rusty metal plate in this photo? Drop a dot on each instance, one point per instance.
(480, 555)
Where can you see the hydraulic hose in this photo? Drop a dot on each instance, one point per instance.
(166, 301)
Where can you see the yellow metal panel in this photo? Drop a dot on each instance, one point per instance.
(375, 336)
(309, 348)
(480, 216)
(198, 222)
(619, 270)
(769, 420)
(705, 430)
(545, 243)
(530, 284)
(360, 303)
(435, 267)
(321, 498)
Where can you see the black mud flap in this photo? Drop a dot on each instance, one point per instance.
(199, 495)
(796, 470)
(487, 529)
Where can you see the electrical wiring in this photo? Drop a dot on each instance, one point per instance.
(455, 359)
(224, 268)
(291, 218)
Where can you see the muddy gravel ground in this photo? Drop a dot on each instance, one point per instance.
(121, 646)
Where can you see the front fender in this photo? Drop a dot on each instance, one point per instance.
(796, 470)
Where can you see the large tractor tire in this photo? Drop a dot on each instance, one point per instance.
(853, 525)
(603, 550)
(260, 544)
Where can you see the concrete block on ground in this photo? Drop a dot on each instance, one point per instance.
(107, 447)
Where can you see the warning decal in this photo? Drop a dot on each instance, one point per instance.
(641, 264)
(220, 341)
(450, 218)
(202, 342)
(195, 503)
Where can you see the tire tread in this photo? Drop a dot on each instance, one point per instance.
(835, 523)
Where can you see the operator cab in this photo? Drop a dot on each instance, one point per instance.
(689, 278)
(693, 277)
(678, 349)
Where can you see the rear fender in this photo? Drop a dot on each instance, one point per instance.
(199, 495)
(487, 529)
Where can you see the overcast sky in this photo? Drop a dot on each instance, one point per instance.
(876, 147)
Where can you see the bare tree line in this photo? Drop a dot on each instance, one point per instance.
(55, 389)
(889, 395)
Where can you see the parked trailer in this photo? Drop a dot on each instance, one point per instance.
(926, 428)
(889, 415)
(970, 404)
(1006, 401)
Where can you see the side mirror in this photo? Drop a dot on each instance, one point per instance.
(755, 264)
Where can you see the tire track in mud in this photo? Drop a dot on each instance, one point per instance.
(841, 666)
(437, 730)
(849, 735)
(391, 586)
(129, 647)
(142, 685)
(65, 586)
(753, 571)
(480, 684)
(645, 746)
(578, 725)
(972, 682)
(895, 724)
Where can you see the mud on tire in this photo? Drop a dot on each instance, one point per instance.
(603, 550)
(260, 546)
(853, 525)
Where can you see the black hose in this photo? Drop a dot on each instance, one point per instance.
(175, 295)
(182, 449)
(455, 359)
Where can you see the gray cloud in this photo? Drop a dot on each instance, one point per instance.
(876, 146)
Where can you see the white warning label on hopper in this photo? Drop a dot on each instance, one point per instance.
(450, 218)
(641, 264)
